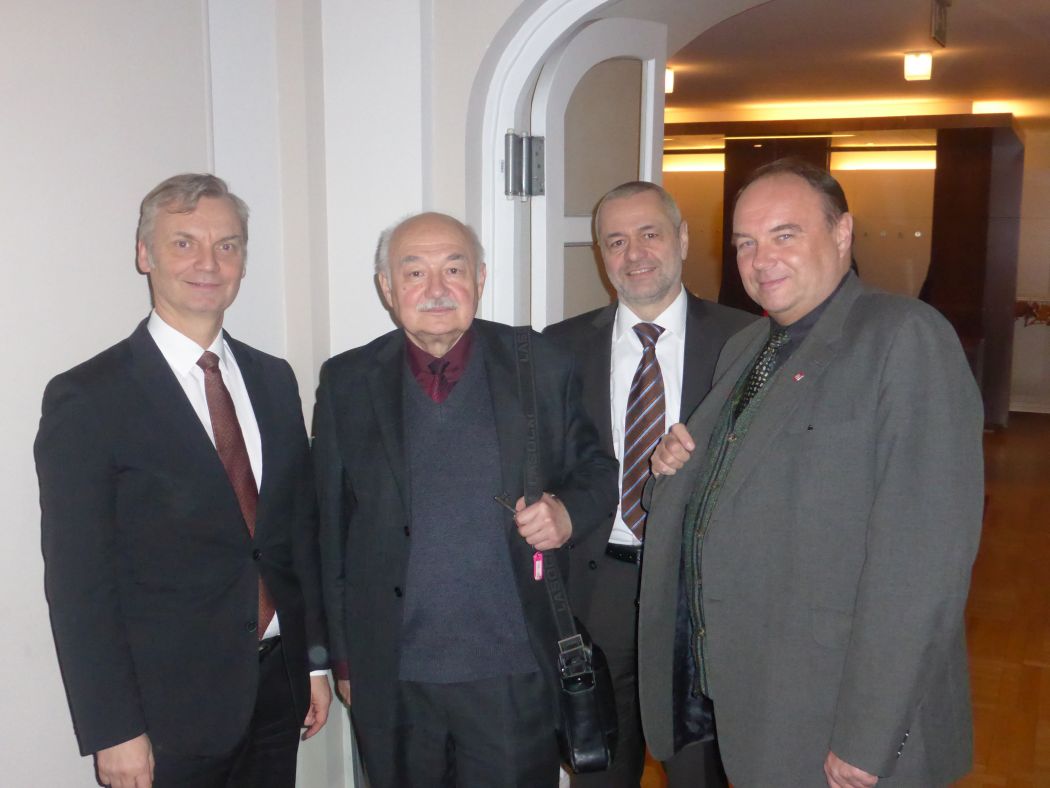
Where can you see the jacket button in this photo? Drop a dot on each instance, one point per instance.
(397, 591)
(251, 626)
(256, 554)
(406, 530)
(592, 564)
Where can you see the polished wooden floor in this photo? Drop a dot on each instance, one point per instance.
(1008, 617)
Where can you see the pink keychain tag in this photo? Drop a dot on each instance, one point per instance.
(537, 566)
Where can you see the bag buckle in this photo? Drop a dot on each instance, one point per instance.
(574, 657)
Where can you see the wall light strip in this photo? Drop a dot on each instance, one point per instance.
(884, 160)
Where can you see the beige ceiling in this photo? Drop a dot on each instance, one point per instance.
(821, 58)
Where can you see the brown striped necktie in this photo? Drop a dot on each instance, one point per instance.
(644, 427)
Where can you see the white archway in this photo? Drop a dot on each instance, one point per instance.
(499, 101)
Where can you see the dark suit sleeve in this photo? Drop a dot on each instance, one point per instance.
(922, 536)
(78, 534)
(305, 545)
(336, 503)
(589, 486)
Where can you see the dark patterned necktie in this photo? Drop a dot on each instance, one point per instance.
(229, 443)
(644, 428)
(438, 388)
(764, 366)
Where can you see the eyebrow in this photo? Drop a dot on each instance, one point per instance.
(772, 230)
(415, 258)
(619, 233)
(192, 237)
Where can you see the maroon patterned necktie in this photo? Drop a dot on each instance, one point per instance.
(438, 388)
(644, 428)
(229, 443)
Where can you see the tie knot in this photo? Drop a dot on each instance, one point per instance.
(778, 337)
(648, 333)
(209, 362)
(437, 367)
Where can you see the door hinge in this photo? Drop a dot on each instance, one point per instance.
(522, 165)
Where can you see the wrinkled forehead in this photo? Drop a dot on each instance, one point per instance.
(782, 196)
(639, 208)
(429, 237)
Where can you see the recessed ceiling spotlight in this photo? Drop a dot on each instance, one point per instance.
(918, 65)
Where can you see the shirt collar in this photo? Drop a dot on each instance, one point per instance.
(457, 357)
(181, 352)
(671, 320)
(798, 330)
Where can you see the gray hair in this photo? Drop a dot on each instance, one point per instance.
(382, 259)
(180, 194)
(632, 188)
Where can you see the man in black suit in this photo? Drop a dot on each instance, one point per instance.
(643, 240)
(178, 526)
(441, 629)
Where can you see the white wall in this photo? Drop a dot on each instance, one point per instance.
(1030, 381)
(101, 101)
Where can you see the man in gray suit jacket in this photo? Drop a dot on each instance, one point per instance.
(643, 241)
(827, 524)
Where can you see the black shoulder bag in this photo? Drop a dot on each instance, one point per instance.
(587, 728)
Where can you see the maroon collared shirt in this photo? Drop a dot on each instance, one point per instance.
(438, 376)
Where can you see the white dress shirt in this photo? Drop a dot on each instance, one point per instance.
(182, 355)
(626, 353)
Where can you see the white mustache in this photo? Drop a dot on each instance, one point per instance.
(436, 303)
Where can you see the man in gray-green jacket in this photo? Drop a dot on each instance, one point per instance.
(816, 520)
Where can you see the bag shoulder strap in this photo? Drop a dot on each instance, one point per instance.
(569, 640)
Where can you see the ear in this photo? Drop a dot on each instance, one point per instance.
(683, 239)
(482, 271)
(384, 288)
(142, 258)
(844, 234)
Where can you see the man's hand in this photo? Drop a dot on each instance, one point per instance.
(126, 765)
(672, 452)
(545, 524)
(320, 700)
(841, 775)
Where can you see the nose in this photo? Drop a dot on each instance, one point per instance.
(207, 260)
(633, 250)
(436, 286)
(762, 257)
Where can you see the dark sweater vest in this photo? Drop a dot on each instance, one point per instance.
(463, 619)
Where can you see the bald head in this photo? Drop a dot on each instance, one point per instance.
(431, 274)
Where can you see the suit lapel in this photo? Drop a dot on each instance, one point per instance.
(595, 373)
(502, 374)
(168, 403)
(261, 398)
(700, 356)
(384, 387)
(792, 385)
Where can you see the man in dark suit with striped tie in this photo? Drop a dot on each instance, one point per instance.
(646, 361)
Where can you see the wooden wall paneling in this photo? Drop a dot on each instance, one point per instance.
(1000, 290)
(973, 252)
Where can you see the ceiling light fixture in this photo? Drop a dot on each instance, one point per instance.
(668, 80)
(918, 65)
